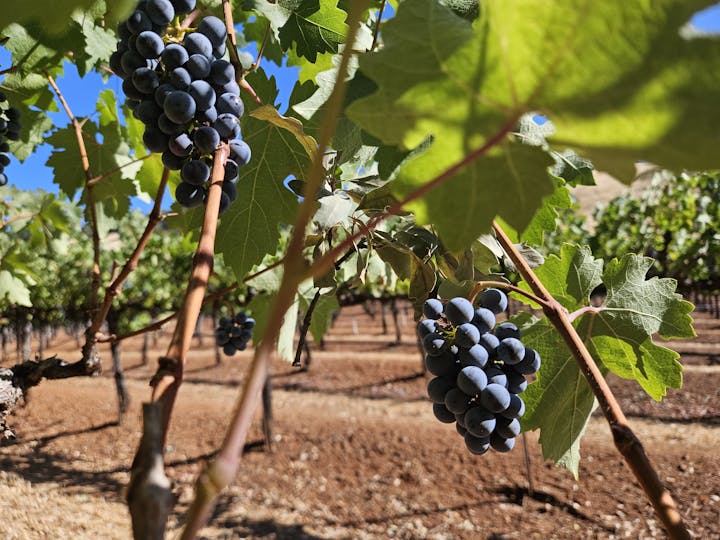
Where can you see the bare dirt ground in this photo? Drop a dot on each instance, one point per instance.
(357, 454)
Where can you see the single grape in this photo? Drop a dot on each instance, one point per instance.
(442, 414)
(490, 343)
(149, 45)
(230, 190)
(476, 355)
(516, 409)
(174, 56)
(432, 308)
(229, 349)
(477, 445)
(198, 66)
(171, 161)
(195, 172)
(506, 330)
(467, 335)
(206, 139)
(457, 401)
(494, 299)
(230, 103)
(495, 397)
(501, 444)
(516, 383)
(434, 344)
(472, 380)
(169, 127)
(203, 94)
(3, 179)
(138, 22)
(511, 351)
(179, 107)
(425, 327)
(227, 125)
(231, 171)
(131, 92)
(180, 145)
(188, 195)
(180, 78)
(508, 428)
(480, 421)
(209, 116)
(240, 152)
(530, 362)
(130, 61)
(148, 112)
(214, 29)
(145, 80)
(183, 6)
(222, 336)
(459, 311)
(161, 12)
(155, 140)
(484, 319)
(442, 365)
(161, 93)
(221, 72)
(438, 387)
(197, 43)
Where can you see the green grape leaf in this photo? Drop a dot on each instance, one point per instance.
(545, 219)
(334, 209)
(313, 26)
(13, 290)
(618, 102)
(618, 333)
(510, 181)
(249, 228)
(559, 401)
(322, 319)
(100, 43)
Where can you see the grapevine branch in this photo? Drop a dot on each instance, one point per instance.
(261, 50)
(142, 491)
(626, 441)
(19, 217)
(89, 352)
(114, 288)
(223, 469)
(233, 48)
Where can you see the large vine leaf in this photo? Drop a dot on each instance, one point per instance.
(464, 84)
(618, 335)
(52, 14)
(249, 229)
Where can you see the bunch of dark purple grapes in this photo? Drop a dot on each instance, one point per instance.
(10, 130)
(234, 333)
(480, 369)
(179, 85)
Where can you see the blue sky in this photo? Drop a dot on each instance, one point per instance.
(81, 94)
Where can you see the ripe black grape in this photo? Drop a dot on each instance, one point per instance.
(9, 131)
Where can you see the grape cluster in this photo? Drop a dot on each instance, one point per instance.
(179, 85)
(10, 130)
(234, 333)
(480, 369)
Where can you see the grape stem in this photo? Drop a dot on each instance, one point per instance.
(482, 285)
(626, 441)
(376, 32)
(261, 50)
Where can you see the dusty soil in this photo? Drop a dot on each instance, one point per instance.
(357, 454)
